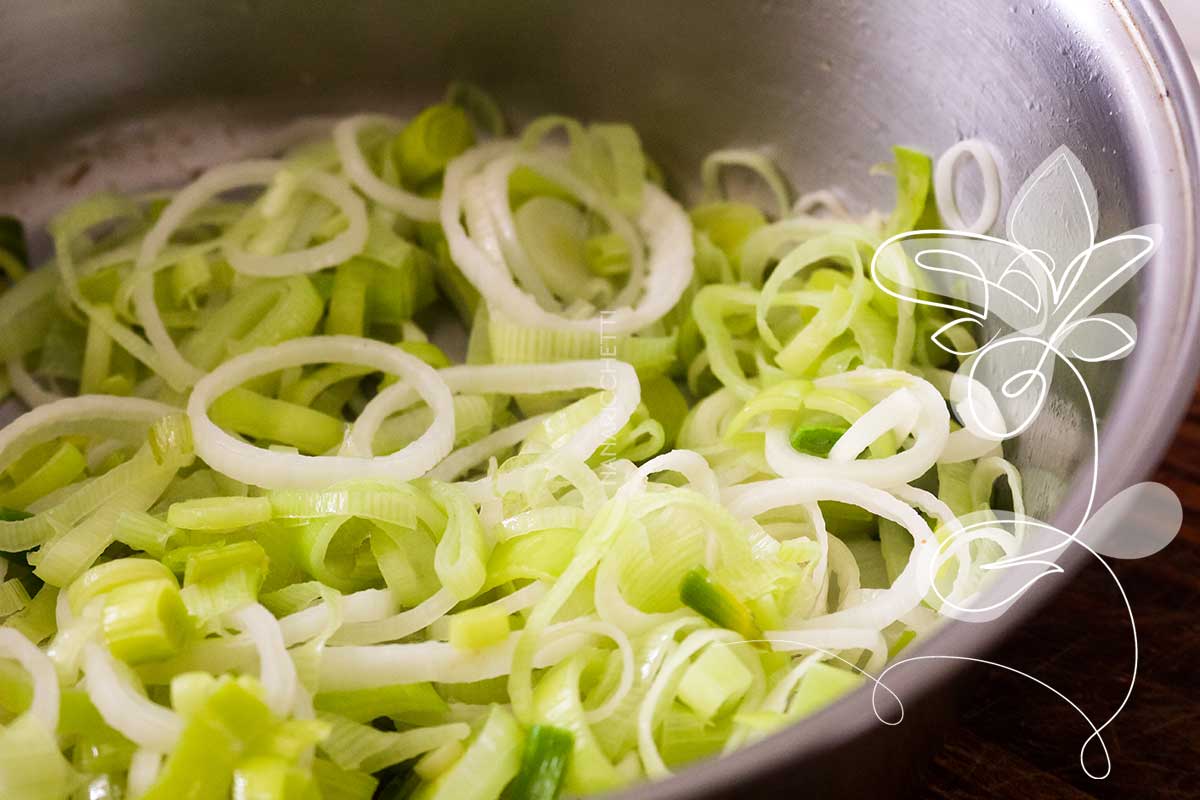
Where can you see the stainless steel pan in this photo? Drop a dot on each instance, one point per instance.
(120, 93)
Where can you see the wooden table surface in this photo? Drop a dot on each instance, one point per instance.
(1019, 741)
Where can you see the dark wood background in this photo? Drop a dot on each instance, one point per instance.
(1018, 741)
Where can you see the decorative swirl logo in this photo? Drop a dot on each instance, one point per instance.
(1032, 299)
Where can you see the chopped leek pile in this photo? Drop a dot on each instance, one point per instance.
(264, 539)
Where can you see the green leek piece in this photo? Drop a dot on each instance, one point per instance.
(513, 343)
(492, 759)
(666, 404)
(454, 286)
(31, 766)
(557, 701)
(897, 546)
(61, 353)
(134, 486)
(292, 598)
(334, 551)
(715, 682)
(902, 641)
(817, 440)
(220, 579)
(145, 621)
(607, 255)
(100, 749)
(31, 460)
(272, 778)
(552, 232)
(428, 143)
(104, 578)
(436, 762)
(296, 312)
(687, 738)
(335, 783)
(143, 532)
(171, 440)
(702, 594)
(405, 559)
(872, 570)
(402, 282)
(348, 303)
(294, 738)
(13, 597)
(219, 513)
(114, 459)
(215, 736)
(209, 344)
(351, 745)
(544, 763)
(954, 488)
(916, 206)
(16, 688)
(396, 505)
(849, 407)
(525, 184)
(62, 467)
(712, 265)
(473, 418)
(77, 715)
(101, 288)
(364, 705)
(37, 620)
(97, 357)
(269, 419)
(820, 686)
(189, 691)
(831, 319)
(460, 560)
(535, 556)
(611, 154)
(727, 224)
(18, 569)
(191, 274)
(875, 335)
(307, 390)
(428, 352)
(209, 563)
(478, 628)
(758, 163)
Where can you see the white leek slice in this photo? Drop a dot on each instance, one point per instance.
(26, 387)
(275, 470)
(662, 223)
(137, 718)
(885, 607)
(354, 163)
(515, 379)
(370, 666)
(930, 432)
(983, 422)
(45, 702)
(276, 670)
(126, 418)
